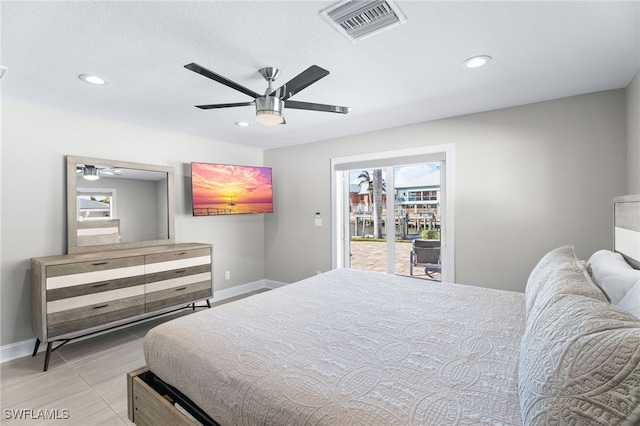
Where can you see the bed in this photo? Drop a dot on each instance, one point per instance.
(354, 347)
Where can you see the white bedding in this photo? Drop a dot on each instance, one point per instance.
(350, 348)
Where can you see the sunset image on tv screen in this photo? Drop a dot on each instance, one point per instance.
(219, 189)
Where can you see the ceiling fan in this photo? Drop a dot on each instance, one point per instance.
(91, 172)
(270, 105)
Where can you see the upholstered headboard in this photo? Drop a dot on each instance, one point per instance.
(626, 222)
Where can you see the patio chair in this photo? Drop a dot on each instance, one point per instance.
(425, 253)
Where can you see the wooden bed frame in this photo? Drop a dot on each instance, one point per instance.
(152, 402)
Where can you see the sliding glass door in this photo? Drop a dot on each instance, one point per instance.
(390, 213)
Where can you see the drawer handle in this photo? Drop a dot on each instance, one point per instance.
(100, 306)
(100, 285)
(181, 271)
(100, 263)
(181, 288)
(182, 253)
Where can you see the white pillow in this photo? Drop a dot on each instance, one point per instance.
(631, 301)
(613, 274)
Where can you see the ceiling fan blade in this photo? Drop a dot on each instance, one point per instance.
(214, 106)
(316, 107)
(303, 80)
(220, 79)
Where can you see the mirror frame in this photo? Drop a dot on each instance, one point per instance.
(72, 204)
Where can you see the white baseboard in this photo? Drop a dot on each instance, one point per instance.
(238, 290)
(25, 347)
(274, 284)
(17, 350)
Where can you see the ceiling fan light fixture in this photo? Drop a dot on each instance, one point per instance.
(90, 173)
(269, 110)
(269, 118)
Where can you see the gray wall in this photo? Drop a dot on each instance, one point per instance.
(35, 140)
(527, 179)
(633, 135)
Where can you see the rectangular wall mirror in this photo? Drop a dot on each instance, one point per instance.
(114, 205)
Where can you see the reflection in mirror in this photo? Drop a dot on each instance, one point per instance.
(96, 203)
(114, 204)
(139, 195)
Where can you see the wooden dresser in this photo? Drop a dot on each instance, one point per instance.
(78, 294)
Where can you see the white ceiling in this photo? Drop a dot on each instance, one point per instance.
(411, 73)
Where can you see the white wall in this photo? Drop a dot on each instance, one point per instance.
(527, 179)
(633, 135)
(35, 140)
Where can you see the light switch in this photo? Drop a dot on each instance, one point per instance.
(318, 219)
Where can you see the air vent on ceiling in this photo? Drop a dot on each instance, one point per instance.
(358, 19)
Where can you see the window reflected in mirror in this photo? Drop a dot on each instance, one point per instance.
(96, 203)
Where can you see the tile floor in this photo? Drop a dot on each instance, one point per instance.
(86, 380)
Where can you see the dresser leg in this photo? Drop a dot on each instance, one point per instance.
(47, 356)
(208, 303)
(35, 350)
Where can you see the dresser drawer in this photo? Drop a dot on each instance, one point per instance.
(74, 274)
(92, 299)
(176, 274)
(79, 318)
(94, 287)
(178, 295)
(170, 288)
(176, 260)
(178, 254)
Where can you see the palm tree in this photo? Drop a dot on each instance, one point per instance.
(375, 186)
(365, 179)
(378, 185)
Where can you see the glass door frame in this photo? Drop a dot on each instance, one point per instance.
(340, 235)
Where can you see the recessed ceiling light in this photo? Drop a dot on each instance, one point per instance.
(476, 61)
(93, 79)
(242, 124)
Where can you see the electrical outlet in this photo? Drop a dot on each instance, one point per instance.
(227, 275)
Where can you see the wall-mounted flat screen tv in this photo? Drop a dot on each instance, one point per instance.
(220, 189)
